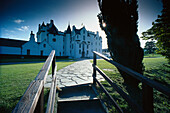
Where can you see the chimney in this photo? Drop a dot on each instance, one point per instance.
(51, 21)
(32, 37)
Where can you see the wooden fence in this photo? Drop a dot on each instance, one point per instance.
(33, 98)
(147, 87)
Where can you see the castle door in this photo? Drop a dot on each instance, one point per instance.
(41, 52)
(28, 51)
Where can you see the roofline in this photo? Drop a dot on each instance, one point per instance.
(13, 39)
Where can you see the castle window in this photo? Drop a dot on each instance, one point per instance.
(83, 31)
(72, 46)
(87, 52)
(44, 45)
(54, 40)
(83, 37)
(79, 51)
(87, 46)
(79, 45)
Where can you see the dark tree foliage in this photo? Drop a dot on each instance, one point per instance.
(150, 47)
(160, 31)
(121, 19)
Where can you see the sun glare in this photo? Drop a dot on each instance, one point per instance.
(104, 24)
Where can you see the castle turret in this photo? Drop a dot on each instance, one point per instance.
(67, 41)
(68, 30)
(43, 24)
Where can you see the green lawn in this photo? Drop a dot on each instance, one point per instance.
(157, 69)
(152, 55)
(20, 60)
(14, 79)
(27, 60)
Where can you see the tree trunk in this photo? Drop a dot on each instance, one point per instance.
(121, 17)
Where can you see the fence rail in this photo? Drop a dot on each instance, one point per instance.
(33, 98)
(147, 86)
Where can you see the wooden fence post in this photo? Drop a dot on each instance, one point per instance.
(40, 105)
(94, 70)
(53, 65)
(147, 94)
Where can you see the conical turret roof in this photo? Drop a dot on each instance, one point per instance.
(68, 30)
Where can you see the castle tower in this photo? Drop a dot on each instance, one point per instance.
(67, 41)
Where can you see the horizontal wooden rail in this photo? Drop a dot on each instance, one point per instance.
(121, 92)
(35, 90)
(138, 76)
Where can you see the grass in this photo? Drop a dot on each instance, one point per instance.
(20, 60)
(14, 79)
(152, 55)
(157, 69)
(27, 60)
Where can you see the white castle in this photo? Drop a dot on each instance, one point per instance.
(75, 43)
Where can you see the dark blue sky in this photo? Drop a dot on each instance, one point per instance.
(19, 17)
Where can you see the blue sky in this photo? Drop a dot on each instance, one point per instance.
(20, 17)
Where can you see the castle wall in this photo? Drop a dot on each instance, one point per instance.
(44, 49)
(56, 41)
